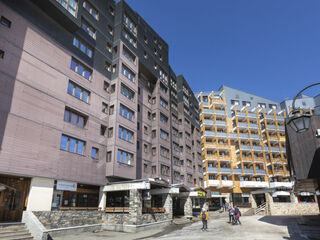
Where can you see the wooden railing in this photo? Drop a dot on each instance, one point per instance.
(117, 210)
(76, 208)
(153, 210)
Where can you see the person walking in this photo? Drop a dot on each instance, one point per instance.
(225, 206)
(237, 215)
(229, 211)
(204, 218)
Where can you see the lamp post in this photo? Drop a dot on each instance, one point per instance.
(300, 122)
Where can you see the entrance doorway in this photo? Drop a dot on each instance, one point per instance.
(260, 198)
(13, 195)
(178, 206)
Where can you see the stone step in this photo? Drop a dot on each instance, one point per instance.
(12, 229)
(26, 237)
(13, 233)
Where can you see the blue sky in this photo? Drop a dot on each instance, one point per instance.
(269, 48)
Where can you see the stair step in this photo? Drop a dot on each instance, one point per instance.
(22, 237)
(12, 229)
(18, 233)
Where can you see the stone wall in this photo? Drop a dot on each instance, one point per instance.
(293, 208)
(61, 219)
(123, 218)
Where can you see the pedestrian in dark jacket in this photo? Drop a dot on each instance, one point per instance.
(204, 218)
(237, 215)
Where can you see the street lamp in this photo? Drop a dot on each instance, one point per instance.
(300, 122)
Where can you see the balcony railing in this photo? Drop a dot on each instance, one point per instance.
(244, 136)
(233, 135)
(269, 117)
(237, 171)
(208, 122)
(281, 128)
(260, 171)
(220, 123)
(220, 112)
(252, 115)
(213, 170)
(253, 125)
(248, 171)
(275, 149)
(255, 136)
(208, 111)
(280, 118)
(227, 183)
(257, 148)
(225, 170)
(271, 127)
(214, 183)
(281, 184)
(245, 148)
(253, 184)
(241, 114)
(242, 125)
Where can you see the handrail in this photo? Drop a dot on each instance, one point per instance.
(76, 208)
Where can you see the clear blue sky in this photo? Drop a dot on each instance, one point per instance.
(267, 47)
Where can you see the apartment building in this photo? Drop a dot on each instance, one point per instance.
(243, 147)
(88, 98)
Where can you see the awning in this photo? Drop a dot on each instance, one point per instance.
(280, 193)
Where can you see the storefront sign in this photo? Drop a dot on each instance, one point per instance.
(201, 194)
(66, 186)
(245, 195)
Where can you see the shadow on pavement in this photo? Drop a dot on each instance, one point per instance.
(299, 227)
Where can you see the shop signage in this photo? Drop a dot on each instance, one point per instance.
(245, 195)
(66, 186)
(201, 194)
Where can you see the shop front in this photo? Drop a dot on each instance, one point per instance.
(75, 196)
(13, 197)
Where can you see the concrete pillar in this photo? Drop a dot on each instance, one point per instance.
(252, 201)
(293, 198)
(102, 199)
(188, 207)
(135, 207)
(221, 202)
(40, 194)
(167, 204)
(269, 202)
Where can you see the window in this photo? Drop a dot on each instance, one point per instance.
(110, 132)
(126, 112)
(163, 76)
(174, 106)
(173, 84)
(154, 133)
(74, 118)
(189, 163)
(175, 147)
(72, 145)
(111, 9)
(163, 103)
(109, 47)
(163, 88)
(145, 130)
(165, 170)
(70, 5)
(154, 116)
(109, 156)
(262, 105)
(127, 53)
(176, 161)
(131, 40)
(246, 103)
(154, 151)
(164, 135)
(106, 86)
(105, 108)
(128, 73)
(273, 106)
(154, 170)
(125, 157)
(88, 29)
(5, 22)
(130, 24)
(113, 88)
(125, 134)
(189, 177)
(145, 168)
(163, 118)
(110, 30)
(175, 132)
(103, 130)
(182, 178)
(235, 102)
(125, 91)
(79, 68)
(149, 115)
(90, 9)
(111, 109)
(145, 148)
(78, 92)
(164, 152)
(108, 66)
(95, 153)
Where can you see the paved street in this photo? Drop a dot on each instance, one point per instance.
(253, 227)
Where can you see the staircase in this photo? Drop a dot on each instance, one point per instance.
(14, 231)
(260, 209)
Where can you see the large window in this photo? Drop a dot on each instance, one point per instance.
(165, 170)
(126, 112)
(79, 68)
(164, 152)
(5, 22)
(82, 46)
(125, 134)
(130, 24)
(74, 118)
(125, 91)
(78, 92)
(163, 76)
(164, 135)
(163, 118)
(88, 29)
(95, 153)
(128, 73)
(163, 103)
(131, 40)
(90, 9)
(70, 5)
(125, 157)
(127, 53)
(72, 145)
